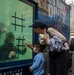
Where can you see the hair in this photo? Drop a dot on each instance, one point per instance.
(42, 47)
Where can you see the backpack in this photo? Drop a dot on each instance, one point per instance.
(56, 44)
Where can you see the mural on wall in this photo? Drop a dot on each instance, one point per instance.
(15, 17)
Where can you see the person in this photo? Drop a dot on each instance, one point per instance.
(8, 50)
(45, 51)
(59, 65)
(42, 33)
(38, 62)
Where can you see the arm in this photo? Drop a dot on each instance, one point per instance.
(19, 51)
(12, 55)
(36, 64)
(29, 45)
(43, 39)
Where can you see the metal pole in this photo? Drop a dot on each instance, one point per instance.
(72, 62)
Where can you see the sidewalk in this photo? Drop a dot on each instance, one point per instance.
(69, 73)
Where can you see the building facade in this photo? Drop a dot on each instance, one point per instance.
(58, 12)
(72, 21)
(61, 13)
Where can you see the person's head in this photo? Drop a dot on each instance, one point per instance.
(38, 47)
(39, 27)
(9, 39)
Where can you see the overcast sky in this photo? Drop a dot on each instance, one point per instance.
(69, 0)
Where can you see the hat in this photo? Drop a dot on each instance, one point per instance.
(38, 23)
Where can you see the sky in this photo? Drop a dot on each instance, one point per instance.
(69, 0)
